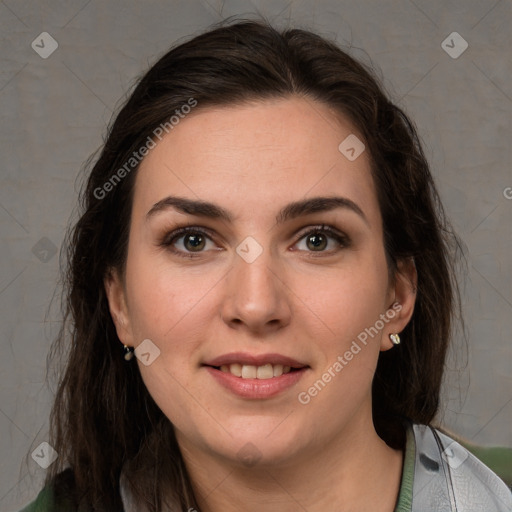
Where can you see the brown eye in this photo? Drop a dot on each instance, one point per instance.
(322, 239)
(188, 242)
(194, 242)
(316, 242)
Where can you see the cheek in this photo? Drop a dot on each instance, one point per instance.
(345, 302)
(166, 302)
(173, 308)
(350, 306)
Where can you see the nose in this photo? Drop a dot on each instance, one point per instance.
(256, 298)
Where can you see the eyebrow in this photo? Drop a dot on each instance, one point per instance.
(290, 211)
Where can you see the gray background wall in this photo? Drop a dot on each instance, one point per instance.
(54, 112)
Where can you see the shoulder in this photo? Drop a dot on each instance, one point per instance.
(57, 497)
(449, 477)
(42, 503)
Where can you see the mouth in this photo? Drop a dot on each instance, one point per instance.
(250, 366)
(263, 372)
(257, 377)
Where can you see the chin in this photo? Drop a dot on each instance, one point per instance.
(262, 444)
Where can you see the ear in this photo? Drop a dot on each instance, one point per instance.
(403, 298)
(116, 296)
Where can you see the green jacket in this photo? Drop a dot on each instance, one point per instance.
(499, 460)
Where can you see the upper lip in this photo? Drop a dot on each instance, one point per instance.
(254, 360)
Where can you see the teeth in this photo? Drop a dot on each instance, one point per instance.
(247, 371)
(278, 370)
(265, 372)
(235, 369)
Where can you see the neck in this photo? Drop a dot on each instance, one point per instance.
(355, 471)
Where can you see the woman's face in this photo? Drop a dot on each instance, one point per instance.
(258, 285)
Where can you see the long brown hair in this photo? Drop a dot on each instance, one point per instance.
(103, 418)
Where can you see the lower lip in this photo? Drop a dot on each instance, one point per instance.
(256, 388)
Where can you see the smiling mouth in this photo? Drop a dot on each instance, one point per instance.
(263, 372)
(256, 377)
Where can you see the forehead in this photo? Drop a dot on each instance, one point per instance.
(265, 153)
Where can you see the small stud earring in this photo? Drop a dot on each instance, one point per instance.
(128, 353)
(395, 339)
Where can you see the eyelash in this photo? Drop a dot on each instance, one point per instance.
(175, 235)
